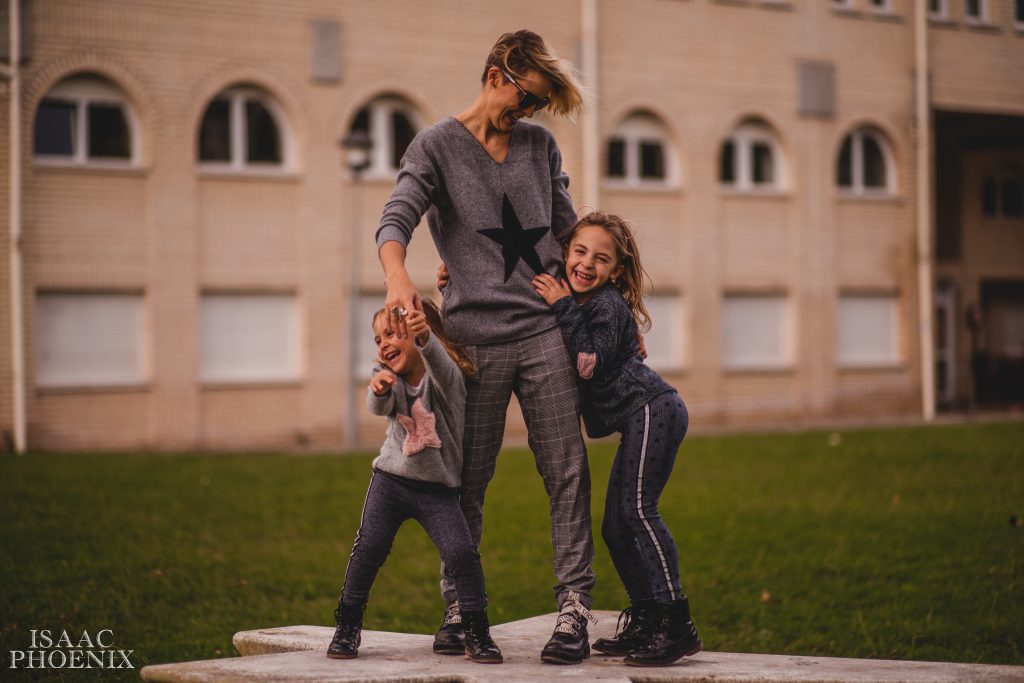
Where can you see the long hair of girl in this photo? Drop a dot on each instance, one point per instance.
(457, 351)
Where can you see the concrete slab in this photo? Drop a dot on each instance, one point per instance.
(399, 657)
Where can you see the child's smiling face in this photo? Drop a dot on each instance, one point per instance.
(591, 260)
(399, 355)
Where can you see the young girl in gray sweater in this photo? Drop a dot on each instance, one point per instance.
(419, 387)
(598, 306)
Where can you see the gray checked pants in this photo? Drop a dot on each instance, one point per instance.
(540, 373)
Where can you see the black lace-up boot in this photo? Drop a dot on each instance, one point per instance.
(632, 630)
(674, 636)
(345, 643)
(569, 644)
(449, 639)
(479, 646)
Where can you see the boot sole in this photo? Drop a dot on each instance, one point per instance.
(664, 662)
(334, 656)
(486, 660)
(448, 650)
(556, 659)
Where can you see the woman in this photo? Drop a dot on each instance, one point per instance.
(496, 200)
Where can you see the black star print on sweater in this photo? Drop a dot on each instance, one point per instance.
(516, 244)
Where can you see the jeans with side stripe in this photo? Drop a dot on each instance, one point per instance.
(642, 549)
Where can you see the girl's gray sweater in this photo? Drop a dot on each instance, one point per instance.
(495, 225)
(425, 423)
(602, 336)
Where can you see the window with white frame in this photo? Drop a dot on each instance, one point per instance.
(89, 339)
(976, 11)
(1018, 14)
(868, 330)
(864, 164)
(750, 159)
(666, 341)
(756, 332)
(392, 123)
(249, 338)
(244, 129)
(86, 120)
(1002, 196)
(881, 6)
(938, 9)
(639, 153)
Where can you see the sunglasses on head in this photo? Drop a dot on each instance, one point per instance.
(526, 98)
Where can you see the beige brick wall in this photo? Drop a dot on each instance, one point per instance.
(173, 232)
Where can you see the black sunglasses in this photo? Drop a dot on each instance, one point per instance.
(526, 98)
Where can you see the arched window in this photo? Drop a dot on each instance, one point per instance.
(750, 159)
(864, 164)
(639, 152)
(86, 119)
(243, 128)
(392, 123)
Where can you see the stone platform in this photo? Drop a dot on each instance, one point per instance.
(297, 653)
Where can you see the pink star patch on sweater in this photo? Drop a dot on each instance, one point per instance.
(420, 429)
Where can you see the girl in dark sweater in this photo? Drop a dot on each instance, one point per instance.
(598, 306)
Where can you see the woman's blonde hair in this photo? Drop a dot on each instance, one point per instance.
(631, 282)
(524, 51)
(436, 323)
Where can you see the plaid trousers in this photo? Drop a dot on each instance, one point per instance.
(543, 377)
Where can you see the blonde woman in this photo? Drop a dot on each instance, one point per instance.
(496, 200)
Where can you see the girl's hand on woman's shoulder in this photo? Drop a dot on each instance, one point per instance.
(550, 289)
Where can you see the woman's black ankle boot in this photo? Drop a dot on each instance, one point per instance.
(639, 623)
(479, 646)
(348, 634)
(674, 636)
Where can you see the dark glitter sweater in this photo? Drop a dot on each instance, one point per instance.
(602, 337)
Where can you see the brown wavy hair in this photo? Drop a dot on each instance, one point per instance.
(524, 51)
(631, 282)
(435, 320)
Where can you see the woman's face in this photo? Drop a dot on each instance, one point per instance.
(503, 103)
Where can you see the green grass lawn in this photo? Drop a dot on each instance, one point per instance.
(889, 543)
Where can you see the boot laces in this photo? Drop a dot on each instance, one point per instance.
(452, 614)
(625, 621)
(573, 616)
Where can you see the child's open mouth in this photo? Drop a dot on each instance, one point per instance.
(583, 278)
(389, 357)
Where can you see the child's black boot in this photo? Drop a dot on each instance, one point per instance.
(348, 634)
(449, 639)
(569, 644)
(637, 625)
(479, 646)
(674, 636)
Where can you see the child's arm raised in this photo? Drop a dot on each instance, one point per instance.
(442, 369)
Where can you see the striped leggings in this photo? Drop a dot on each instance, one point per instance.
(642, 549)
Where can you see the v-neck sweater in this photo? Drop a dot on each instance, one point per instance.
(496, 225)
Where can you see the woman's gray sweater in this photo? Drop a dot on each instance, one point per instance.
(425, 423)
(495, 225)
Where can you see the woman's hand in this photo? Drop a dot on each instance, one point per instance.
(381, 383)
(418, 326)
(402, 299)
(550, 289)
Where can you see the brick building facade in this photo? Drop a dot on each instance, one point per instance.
(192, 247)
